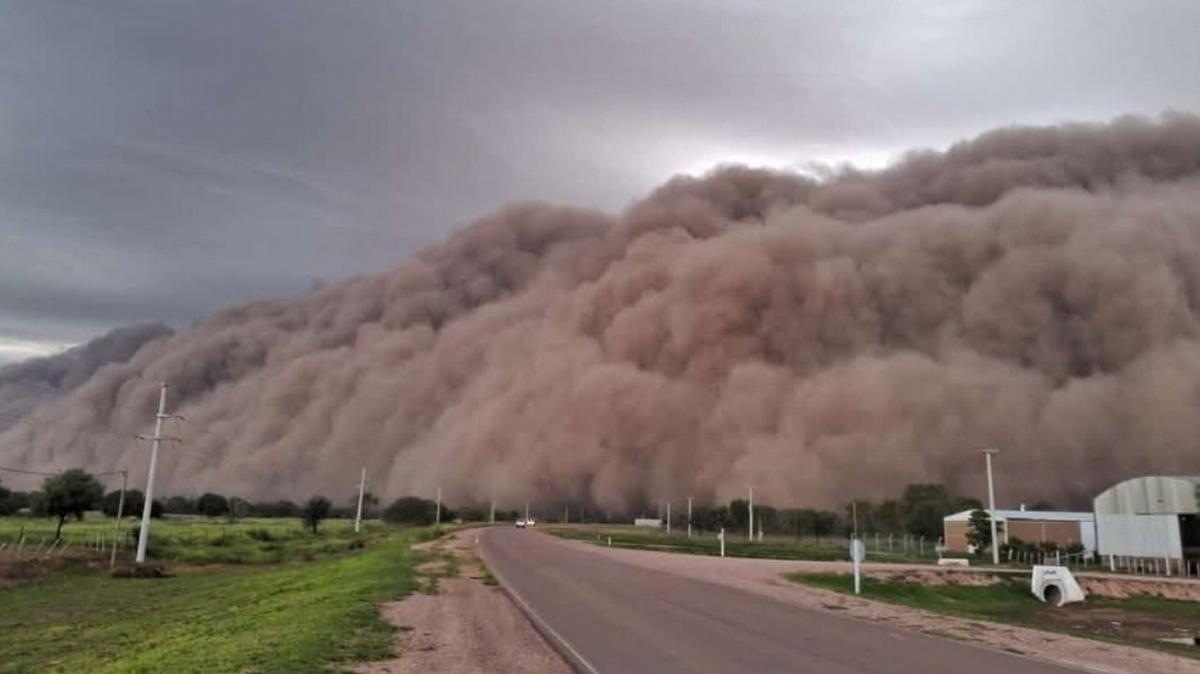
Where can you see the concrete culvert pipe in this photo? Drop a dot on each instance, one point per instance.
(1053, 595)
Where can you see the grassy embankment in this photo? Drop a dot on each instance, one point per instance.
(273, 612)
(736, 545)
(1138, 621)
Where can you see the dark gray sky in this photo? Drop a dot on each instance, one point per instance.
(160, 159)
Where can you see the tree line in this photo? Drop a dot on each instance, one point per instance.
(918, 511)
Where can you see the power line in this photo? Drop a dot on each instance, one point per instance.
(43, 473)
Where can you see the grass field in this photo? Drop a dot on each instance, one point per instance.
(736, 545)
(199, 540)
(273, 612)
(1137, 620)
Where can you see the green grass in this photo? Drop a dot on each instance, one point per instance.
(1010, 601)
(736, 545)
(297, 617)
(205, 541)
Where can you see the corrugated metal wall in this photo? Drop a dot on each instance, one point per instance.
(1153, 495)
(1139, 535)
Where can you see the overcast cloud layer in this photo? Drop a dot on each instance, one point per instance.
(1036, 289)
(160, 159)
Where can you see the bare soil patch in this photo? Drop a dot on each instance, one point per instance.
(458, 623)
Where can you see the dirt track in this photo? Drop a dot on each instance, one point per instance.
(465, 626)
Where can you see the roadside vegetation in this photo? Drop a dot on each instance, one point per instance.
(232, 585)
(1140, 620)
(298, 617)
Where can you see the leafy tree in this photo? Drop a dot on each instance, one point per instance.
(979, 530)
(314, 511)
(180, 505)
(135, 500)
(212, 505)
(277, 509)
(37, 504)
(70, 493)
(238, 507)
(471, 513)
(924, 506)
(739, 513)
(11, 501)
(411, 510)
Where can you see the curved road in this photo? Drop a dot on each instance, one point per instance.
(617, 618)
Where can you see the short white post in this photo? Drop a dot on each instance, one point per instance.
(721, 537)
(610, 541)
(668, 518)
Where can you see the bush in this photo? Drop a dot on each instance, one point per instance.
(212, 505)
(411, 510)
(260, 535)
(316, 510)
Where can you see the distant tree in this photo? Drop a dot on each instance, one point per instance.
(824, 523)
(316, 510)
(7, 507)
(411, 510)
(277, 509)
(238, 507)
(17, 500)
(1042, 505)
(180, 505)
(71, 493)
(924, 506)
(739, 513)
(979, 530)
(212, 505)
(37, 504)
(134, 500)
(370, 504)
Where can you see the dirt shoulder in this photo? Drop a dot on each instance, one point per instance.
(764, 577)
(460, 622)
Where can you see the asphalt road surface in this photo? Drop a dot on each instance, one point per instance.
(620, 619)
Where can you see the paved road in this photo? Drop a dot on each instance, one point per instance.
(622, 619)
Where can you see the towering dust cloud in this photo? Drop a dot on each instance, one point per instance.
(1034, 289)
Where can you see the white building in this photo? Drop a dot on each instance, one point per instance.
(1154, 517)
(1031, 526)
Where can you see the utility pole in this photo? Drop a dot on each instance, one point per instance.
(854, 515)
(527, 512)
(437, 519)
(492, 513)
(144, 533)
(689, 517)
(750, 509)
(362, 486)
(112, 560)
(987, 453)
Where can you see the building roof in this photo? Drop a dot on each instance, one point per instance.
(1151, 495)
(1034, 515)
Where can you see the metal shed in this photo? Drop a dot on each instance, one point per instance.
(1156, 516)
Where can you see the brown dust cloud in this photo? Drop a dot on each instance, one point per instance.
(1035, 289)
